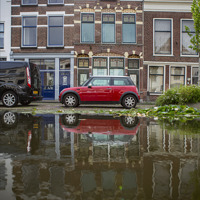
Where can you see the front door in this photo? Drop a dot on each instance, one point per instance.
(48, 85)
(64, 80)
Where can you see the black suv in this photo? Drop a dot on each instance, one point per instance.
(19, 82)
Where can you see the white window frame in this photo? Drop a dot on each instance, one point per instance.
(154, 54)
(170, 73)
(102, 28)
(148, 78)
(181, 30)
(49, 3)
(50, 45)
(81, 28)
(22, 35)
(27, 4)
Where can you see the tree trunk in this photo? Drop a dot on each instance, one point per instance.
(199, 72)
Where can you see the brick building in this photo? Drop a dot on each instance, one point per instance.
(42, 33)
(168, 61)
(108, 39)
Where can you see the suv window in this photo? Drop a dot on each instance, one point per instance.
(121, 81)
(100, 82)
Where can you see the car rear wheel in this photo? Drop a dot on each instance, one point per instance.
(9, 99)
(70, 100)
(129, 101)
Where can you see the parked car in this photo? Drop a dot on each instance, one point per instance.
(19, 82)
(102, 90)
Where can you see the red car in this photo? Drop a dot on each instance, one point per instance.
(102, 90)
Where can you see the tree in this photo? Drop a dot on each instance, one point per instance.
(195, 38)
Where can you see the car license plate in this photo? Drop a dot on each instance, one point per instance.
(35, 92)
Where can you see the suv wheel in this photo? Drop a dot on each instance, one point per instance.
(70, 100)
(129, 101)
(9, 99)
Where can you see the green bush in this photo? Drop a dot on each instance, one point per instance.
(182, 95)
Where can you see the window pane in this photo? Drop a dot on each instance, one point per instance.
(162, 43)
(121, 82)
(189, 24)
(27, 2)
(185, 45)
(156, 70)
(29, 37)
(162, 25)
(55, 21)
(64, 63)
(195, 71)
(177, 71)
(177, 81)
(86, 18)
(30, 21)
(100, 62)
(116, 72)
(1, 40)
(129, 33)
(100, 82)
(117, 62)
(83, 63)
(56, 36)
(155, 83)
(108, 33)
(1, 27)
(87, 32)
(133, 63)
(99, 72)
(56, 1)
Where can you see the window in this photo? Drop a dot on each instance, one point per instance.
(195, 75)
(108, 28)
(29, 35)
(100, 66)
(87, 28)
(29, 2)
(56, 1)
(56, 31)
(185, 50)
(1, 35)
(121, 82)
(129, 28)
(83, 70)
(177, 76)
(117, 66)
(100, 82)
(64, 63)
(156, 79)
(162, 36)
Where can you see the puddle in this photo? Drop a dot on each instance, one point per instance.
(73, 156)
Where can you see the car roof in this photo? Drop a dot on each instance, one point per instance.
(110, 76)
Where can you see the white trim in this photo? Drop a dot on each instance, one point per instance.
(15, 47)
(28, 14)
(154, 54)
(68, 25)
(53, 13)
(41, 47)
(69, 47)
(169, 63)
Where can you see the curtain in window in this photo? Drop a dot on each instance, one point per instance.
(162, 37)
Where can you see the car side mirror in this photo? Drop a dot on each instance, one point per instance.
(90, 85)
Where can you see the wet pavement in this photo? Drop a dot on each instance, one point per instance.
(74, 156)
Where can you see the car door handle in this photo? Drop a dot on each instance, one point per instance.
(108, 88)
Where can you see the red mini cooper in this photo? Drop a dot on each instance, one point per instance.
(102, 90)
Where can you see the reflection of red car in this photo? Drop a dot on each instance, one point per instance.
(99, 124)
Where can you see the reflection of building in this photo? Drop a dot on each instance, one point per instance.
(154, 163)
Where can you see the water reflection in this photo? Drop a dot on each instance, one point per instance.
(75, 156)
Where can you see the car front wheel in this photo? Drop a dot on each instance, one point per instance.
(9, 99)
(129, 101)
(70, 100)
